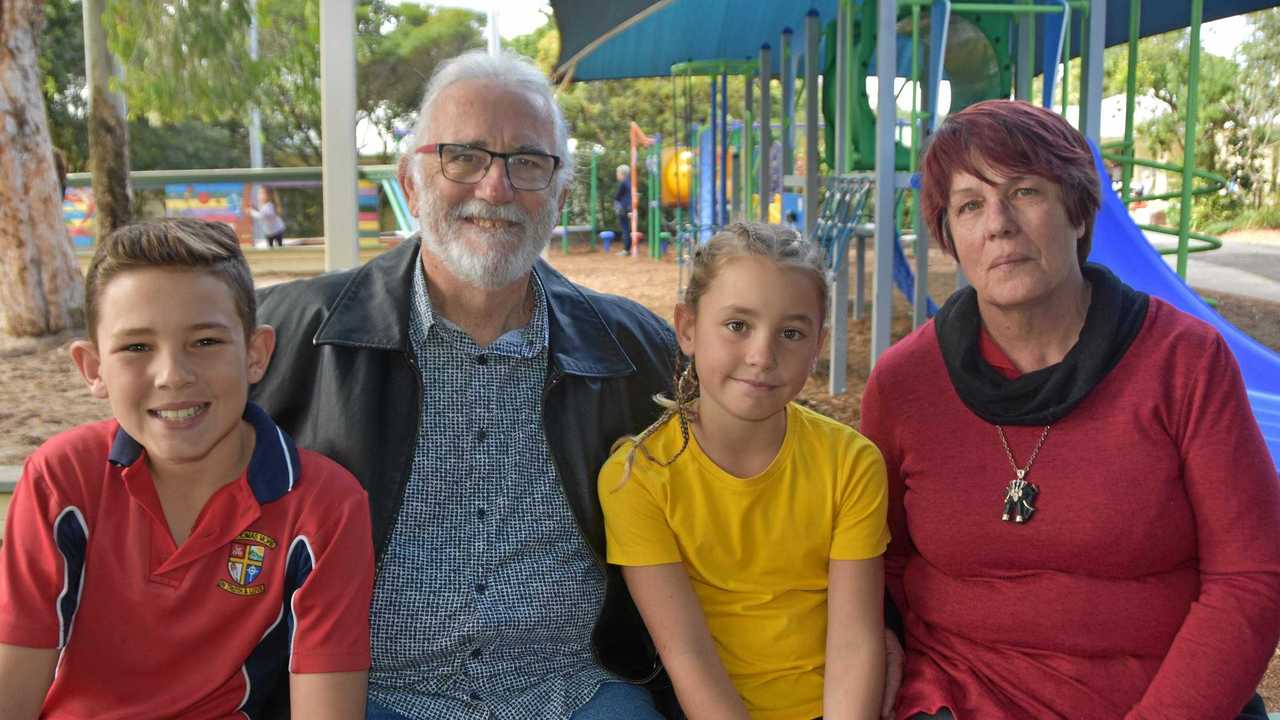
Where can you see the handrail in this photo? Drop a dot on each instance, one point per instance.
(154, 179)
(1216, 183)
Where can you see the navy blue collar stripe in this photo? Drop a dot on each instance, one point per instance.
(273, 468)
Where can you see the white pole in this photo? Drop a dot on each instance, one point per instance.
(495, 40)
(255, 114)
(886, 119)
(838, 376)
(1091, 104)
(338, 132)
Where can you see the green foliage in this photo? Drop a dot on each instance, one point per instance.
(1237, 110)
(186, 145)
(190, 62)
(542, 45)
(184, 60)
(1267, 216)
(61, 65)
(399, 48)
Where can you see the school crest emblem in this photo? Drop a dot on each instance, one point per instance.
(245, 563)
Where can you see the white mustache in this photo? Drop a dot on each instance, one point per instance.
(481, 210)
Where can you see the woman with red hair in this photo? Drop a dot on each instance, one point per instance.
(1084, 514)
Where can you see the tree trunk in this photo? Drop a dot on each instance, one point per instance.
(108, 129)
(41, 290)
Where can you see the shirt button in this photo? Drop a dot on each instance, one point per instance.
(480, 588)
(475, 697)
(476, 653)
(480, 513)
(481, 435)
(482, 360)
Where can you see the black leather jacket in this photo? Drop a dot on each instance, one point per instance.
(343, 381)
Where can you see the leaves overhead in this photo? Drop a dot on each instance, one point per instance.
(189, 60)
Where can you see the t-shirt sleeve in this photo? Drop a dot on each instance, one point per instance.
(635, 520)
(41, 563)
(861, 528)
(331, 607)
(1229, 634)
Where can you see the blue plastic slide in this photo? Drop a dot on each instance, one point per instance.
(1121, 245)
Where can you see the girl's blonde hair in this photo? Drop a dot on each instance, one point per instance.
(785, 247)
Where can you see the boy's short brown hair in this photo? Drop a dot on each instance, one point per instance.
(178, 243)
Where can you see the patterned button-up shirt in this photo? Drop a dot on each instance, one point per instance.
(487, 593)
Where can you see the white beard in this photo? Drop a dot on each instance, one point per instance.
(488, 259)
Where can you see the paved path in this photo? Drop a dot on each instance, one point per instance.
(1237, 268)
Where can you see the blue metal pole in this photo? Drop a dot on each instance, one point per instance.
(723, 218)
(715, 155)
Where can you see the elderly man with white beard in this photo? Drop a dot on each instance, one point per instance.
(475, 392)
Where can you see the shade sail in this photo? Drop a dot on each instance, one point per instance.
(611, 39)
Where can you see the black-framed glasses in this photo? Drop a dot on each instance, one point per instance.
(468, 164)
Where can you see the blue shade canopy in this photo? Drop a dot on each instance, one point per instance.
(612, 39)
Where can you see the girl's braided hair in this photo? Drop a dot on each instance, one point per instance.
(779, 243)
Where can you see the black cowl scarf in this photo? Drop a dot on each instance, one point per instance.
(1116, 313)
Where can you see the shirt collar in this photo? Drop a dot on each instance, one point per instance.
(273, 469)
(527, 341)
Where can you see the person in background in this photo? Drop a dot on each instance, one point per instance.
(622, 206)
(267, 212)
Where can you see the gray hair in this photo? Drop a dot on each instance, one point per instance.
(512, 70)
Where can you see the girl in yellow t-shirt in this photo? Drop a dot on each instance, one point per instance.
(750, 529)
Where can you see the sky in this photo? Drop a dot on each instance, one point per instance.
(515, 17)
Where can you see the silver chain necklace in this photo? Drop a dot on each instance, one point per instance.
(1019, 494)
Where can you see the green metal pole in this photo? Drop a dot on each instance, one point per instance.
(1131, 92)
(746, 145)
(851, 108)
(595, 197)
(655, 196)
(915, 85)
(1189, 138)
(1085, 90)
(565, 227)
(788, 113)
(695, 175)
(1066, 62)
(675, 158)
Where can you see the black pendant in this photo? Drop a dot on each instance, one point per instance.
(1019, 497)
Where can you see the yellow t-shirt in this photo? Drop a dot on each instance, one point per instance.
(756, 549)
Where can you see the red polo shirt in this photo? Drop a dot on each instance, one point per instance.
(276, 574)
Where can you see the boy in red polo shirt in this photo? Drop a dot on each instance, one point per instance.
(175, 561)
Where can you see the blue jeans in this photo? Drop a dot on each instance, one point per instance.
(613, 701)
(620, 701)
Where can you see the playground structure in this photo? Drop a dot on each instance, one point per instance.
(981, 49)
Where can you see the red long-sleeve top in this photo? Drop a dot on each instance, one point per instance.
(1147, 584)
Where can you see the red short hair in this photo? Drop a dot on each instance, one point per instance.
(1013, 138)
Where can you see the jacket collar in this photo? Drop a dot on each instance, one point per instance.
(273, 467)
(372, 311)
